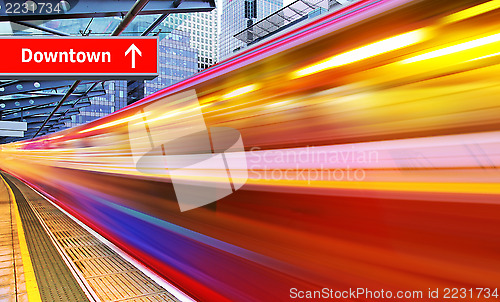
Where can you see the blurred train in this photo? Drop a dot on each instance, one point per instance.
(364, 155)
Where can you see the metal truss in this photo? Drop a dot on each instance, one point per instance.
(98, 8)
(23, 115)
(25, 103)
(16, 87)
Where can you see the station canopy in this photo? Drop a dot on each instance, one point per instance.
(46, 105)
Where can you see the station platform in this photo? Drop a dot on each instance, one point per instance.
(45, 255)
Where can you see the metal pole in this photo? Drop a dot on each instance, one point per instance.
(154, 24)
(138, 6)
(45, 29)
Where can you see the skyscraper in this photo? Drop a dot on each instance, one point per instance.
(238, 15)
(177, 61)
(203, 30)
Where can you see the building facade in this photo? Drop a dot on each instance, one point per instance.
(177, 60)
(203, 29)
(238, 15)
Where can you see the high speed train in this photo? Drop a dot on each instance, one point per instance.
(359, 150)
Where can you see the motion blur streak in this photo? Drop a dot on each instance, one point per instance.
(240, 91)
(456, 48)
(473, 11)
(372, 174)
(365, 52)
(111, 124)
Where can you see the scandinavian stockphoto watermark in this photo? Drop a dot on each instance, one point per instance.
(311, 163)
(170, 138)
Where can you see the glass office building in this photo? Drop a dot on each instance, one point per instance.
(177, 61)
(202, 28)
(238, 15)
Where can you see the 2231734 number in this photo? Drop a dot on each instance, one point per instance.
(36, 8)
(470, 293)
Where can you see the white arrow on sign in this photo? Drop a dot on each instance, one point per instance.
(134, 50)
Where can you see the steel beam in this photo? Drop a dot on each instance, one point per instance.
(39, 119)
(52, 123)
(35, 121)
(131, 14)
(29, 86)
(155, 24)
(42, 110)
(42, 100)
(41, 28)
(48, 124)
(99, 8)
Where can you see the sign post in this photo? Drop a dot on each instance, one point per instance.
(96, 58)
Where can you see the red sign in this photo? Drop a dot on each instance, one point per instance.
(79, 58)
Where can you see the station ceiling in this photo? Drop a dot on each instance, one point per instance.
(46, 105)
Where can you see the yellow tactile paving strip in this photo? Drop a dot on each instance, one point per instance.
(29, 273)
(12, 277)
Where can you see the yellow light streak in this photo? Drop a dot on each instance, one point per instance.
(455, 48)
(484, 57)
(195, 108)
(161, 117)
(55, 137)
(473, 11)
(463, 188)
(117, 122)
(364, 52)
(240, 91)
(278, 104)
